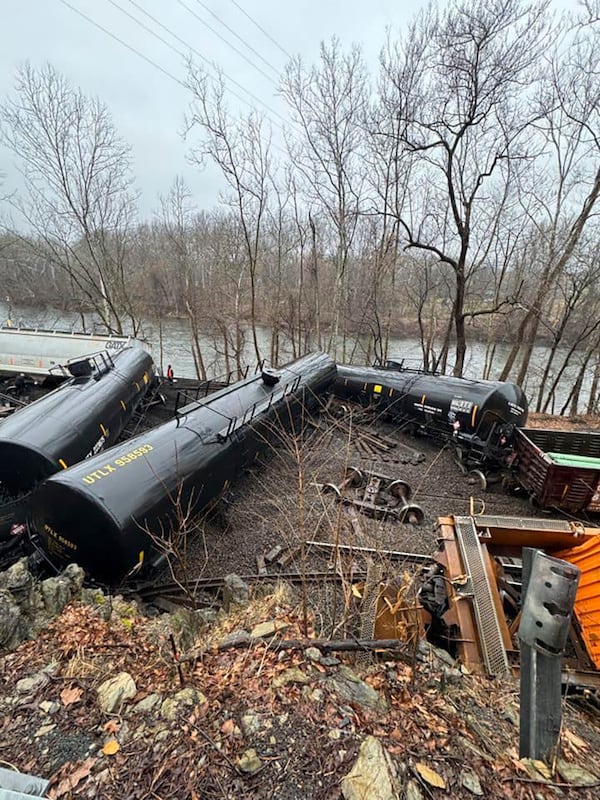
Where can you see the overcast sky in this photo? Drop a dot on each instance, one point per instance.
(148, 106)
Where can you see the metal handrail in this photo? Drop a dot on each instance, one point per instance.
(279, 394)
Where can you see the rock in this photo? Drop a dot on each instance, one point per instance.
(312, 695)
(17, 579)
(471, 782)
(572, 773)
(269, 628)
(13, 628)
(251, 723)
(249, 762)
(292, 675)
(236, 592)
(330, 661)
(148, 703)
(347, 684)
(451, 675)
(426, 652)
(56, 593)
(113, 693)
(537, 769)
(334, 734)
(189, 623)
(512, 715)
(373, 776)
(313, 654)
(27, 685)
(75, 575)
(185, 697)
(47, 707)
(26, 608)
(44, 729)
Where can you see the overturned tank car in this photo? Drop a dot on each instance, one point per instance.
(108, 513)
(478, 416)
(84, 415)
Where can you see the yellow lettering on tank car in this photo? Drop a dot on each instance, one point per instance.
(377, 388)
(131, 456)
(89, 479)
(56, 537)
(473, 415)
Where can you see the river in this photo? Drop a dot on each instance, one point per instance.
(170, 342)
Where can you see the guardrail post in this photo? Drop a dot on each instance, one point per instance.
(548, 596)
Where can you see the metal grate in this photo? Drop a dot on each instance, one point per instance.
(516, 523)
(492, 644)
(368, 612)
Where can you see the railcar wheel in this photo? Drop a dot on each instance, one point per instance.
(493, 478)
(533, 501)
(477, 478)
(412, 514)
(400, 489)
(461, 467)
(354, 476)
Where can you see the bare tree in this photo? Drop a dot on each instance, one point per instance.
(565, 186)
(242, 152)
(177, 219)
(455, 84)
(329, 104)
(78, 202)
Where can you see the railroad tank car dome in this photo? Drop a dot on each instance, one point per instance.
(104, 512)
(76, 420)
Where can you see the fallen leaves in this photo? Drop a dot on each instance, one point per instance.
(111, 727)
(72, 777)
(111, 747)
(430, 776)
(72, 694)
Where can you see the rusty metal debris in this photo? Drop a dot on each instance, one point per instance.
(473, 608)
(376, 495)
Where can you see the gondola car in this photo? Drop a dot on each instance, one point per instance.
(559, 468)
(478, 416)
(83, 416)
(107, 512)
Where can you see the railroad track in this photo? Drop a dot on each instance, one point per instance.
(175, 592)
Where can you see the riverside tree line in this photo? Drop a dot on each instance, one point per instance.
(451, 194)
